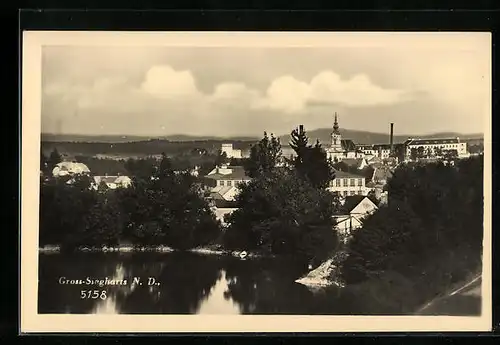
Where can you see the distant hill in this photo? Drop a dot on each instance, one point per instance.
(323, 134)
(365, 137)
(47, 137)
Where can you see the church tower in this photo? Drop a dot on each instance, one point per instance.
(336, 143)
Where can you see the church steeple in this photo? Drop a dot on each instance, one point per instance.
(336, 141)
(336, 125)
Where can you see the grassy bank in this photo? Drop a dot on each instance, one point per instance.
(395, 293)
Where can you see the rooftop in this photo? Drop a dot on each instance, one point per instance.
(351, 202)
(237, 173)
(439, 141)
(348, 145)
(353, 161)
(345, 174)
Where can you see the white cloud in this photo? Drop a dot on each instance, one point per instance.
(164, 82)
(171, 101)
(291, 95)
(286, 94)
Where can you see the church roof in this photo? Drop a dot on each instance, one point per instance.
(348, 145)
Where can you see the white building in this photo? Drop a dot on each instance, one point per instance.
(354, 211)
(230, 151)
(433, 147)
(223, 178)
(70, 169)
(112, 182)
(348, 184)
(382, 151)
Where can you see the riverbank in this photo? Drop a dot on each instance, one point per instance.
(206, 250)
(327, 274)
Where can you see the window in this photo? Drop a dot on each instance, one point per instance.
(352, 192)
(353, 182)
(360, 182)
(229, 183)
(221, 183)
(337, 182)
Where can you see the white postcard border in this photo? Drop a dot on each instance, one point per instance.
(31, 321)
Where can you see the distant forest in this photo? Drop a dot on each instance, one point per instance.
(139, 149)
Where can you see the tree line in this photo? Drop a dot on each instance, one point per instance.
(428, 238)
(284, 210)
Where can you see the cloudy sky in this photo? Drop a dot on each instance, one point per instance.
(162, 90)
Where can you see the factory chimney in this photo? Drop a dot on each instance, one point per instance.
(301, 128)
(392, 139)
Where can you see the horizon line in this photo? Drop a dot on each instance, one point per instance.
(255, 135)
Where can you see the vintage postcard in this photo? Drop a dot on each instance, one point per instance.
(255, 182)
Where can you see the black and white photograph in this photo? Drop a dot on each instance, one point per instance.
(202, 181)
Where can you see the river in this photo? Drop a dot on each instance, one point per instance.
(187, 283)
(184, 283)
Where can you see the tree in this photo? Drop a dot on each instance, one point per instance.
(103, 224)
(381, 244)
(141, 169)
(413, 154)
(438, 151)
(430, 152)
(281, 213)
(431, 232)
(221, 159)
(451, 154)
(54, 159)
(311, 162)
(63, 207)
(264, 156)
(420, 152)
(168, 209)
(299, 141)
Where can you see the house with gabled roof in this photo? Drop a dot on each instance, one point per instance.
(112, 182)
(352, 213)
(222, 183)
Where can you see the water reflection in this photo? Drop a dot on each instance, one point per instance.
(188, 284)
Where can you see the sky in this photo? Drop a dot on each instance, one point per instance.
(244, 91)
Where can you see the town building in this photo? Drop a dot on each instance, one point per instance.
(226, 193)
(350, 218)
(230, 151)
(428, 148)
(70, 169)
(225, 176)
(339, 148)
(221, 208)
(348, 184)
(112, 182)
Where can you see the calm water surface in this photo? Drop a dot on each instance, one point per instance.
(180, 284)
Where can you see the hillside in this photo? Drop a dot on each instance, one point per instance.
(323, 134)
(366, 137)
(49, 137)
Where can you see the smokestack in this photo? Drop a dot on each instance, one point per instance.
(301, 128)
(392, 137)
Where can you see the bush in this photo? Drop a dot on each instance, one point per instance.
(431, 232)
(280, 213)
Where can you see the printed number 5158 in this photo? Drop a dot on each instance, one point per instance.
(93, 294)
